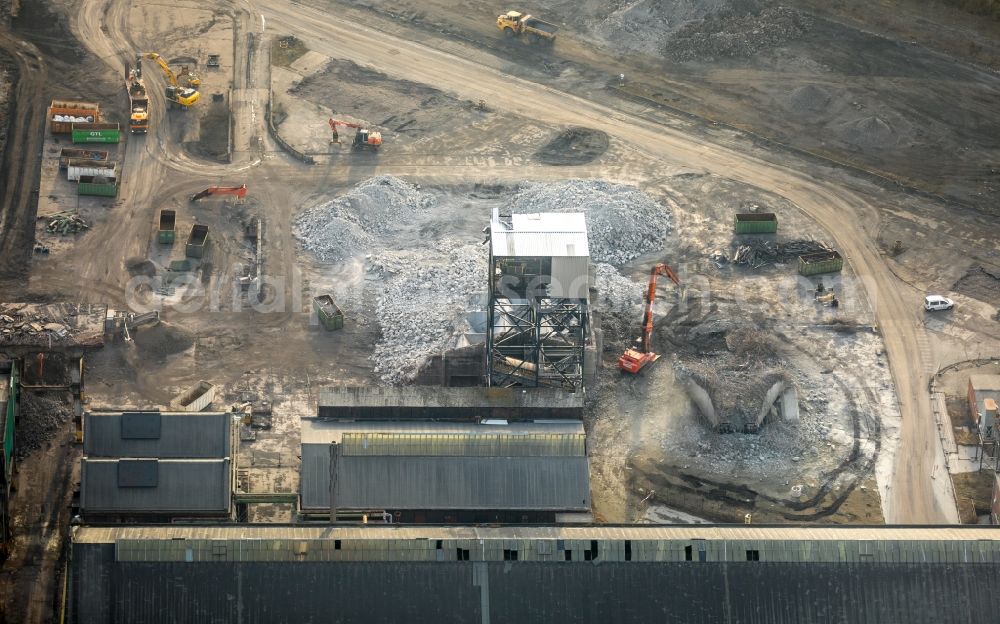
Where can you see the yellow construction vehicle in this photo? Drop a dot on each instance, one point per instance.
(178, 96)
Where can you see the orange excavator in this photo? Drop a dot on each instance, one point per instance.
(633, 360)
(238, 191)
(363, 138)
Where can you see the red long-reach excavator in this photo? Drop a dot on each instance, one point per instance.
(363, 138)
(238, 191)
(633, 360)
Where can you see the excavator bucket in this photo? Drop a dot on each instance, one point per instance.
(201, 195)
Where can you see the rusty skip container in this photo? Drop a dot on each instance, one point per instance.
(75, 169)
(73, 153)
(62, 114)
(330, 316)
(167, 232)
(96, 133)
(97, 185)
(755, 223)
(197, 241)
(820, 262)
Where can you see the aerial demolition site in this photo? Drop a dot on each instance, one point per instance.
(502, 279)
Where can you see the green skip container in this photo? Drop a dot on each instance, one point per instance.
(820, 262)
(96, 133)
(97, 185)
(755, 223)
(331, 317)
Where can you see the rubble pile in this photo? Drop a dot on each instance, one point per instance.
(736, 32)
(618, 301)
(685, 30)
(425, 299)
(65, 223)
(350, 224)
(623, 223)
(15, 324)
(39, 419)
(758, 252)
(737, 385)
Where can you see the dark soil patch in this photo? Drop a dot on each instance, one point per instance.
(140, 266)
(41, 416)
(286, 50)
(575, 146)
(159, 342)
(213, 135)
(980, 283)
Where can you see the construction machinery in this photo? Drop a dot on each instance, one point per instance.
(530, 28)
(179, 96)
(364, 138)
(138, 122)
(633, 360)
(237, 191)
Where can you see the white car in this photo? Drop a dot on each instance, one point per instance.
(937, 302)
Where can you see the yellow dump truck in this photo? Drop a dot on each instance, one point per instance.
(534, 30)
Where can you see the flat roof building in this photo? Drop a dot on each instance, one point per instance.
(157, 466)
(446, 472)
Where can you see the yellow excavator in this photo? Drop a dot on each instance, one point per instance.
(180, 96)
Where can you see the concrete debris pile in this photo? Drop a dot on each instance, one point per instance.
(349, 225)
(618, 300)
(422, 307)
(623, 223)
(65, 223)
(757, 252)
(39, 419)
(737, 32)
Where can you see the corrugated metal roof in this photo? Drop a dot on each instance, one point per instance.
(257, 589)
(541, 235)
(464, 444)
(962, 533)
(445, 483)
(315, 431)
(433, 397)
(180, 486)
(180, 434)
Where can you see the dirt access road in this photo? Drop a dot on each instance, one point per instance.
(839, 210)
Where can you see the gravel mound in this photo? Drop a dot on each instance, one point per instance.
(871, 132)
(623, 223)
(739, 31)
(809, 99)
(349, 225)
(423, 306)
(39, 419)
(644, 26)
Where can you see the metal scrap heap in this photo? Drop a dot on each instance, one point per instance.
(758, 252)
(65, 223)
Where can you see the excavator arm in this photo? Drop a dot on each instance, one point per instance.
(633, 360)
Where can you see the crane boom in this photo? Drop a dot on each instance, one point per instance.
(633, 360)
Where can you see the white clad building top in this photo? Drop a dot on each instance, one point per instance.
(547, 234)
